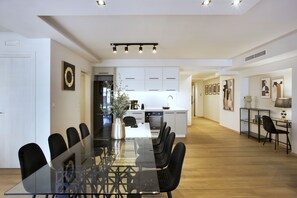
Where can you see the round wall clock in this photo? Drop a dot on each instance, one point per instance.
(69, 76)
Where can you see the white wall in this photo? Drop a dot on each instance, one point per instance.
(211, 107)
(65, 105)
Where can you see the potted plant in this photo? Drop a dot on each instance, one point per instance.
(119, 105)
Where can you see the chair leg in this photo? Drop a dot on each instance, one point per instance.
(265, 139)
(169, 194)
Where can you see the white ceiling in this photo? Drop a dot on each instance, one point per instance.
(183, 29)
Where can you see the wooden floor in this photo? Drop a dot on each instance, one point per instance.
(220, 163)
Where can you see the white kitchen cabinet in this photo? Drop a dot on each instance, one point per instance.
(138, 115)
(153, 79)
(103, 70)
(169, 117)
(177, 120)
(131, 79)
(181, 123)
(170, 79)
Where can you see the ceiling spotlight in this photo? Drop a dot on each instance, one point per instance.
(100, 2)
(140, 49)
(236, 2)
(154, 49)
(206, 2)
(126, 49)
(114, 49)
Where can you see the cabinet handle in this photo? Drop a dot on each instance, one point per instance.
(130, 89)
(170, 78)
(129, 78)
(137, 113)
(180, 113)
(154, 78)
(103, 73)
(170, 89)
(153, 89)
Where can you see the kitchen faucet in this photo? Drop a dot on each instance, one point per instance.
(169, 100)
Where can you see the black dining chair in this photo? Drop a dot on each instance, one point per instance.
(31, 159)
(269, 127)
(157, 140)
(72, 136)
(168, 177)
(84, 130)
(130, 121)
(57, 145)
(159, 148)
(161, 159)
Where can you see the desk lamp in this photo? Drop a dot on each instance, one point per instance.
(283, 103)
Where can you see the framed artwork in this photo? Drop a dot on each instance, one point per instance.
(228, 99)
(218, 88)
(277, 89)
(265, 88)
(209, 89)
(214, 89)
(206, 89)
(68, 76)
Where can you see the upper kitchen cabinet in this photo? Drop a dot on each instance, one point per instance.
(131, 78)
(103, 70)
(170, 79)
(153, 79)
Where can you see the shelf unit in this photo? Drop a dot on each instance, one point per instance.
(246, 121)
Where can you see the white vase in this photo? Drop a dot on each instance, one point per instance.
(118, 129)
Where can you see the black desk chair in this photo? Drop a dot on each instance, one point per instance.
(72, 136)
(31, 159)
(57, 145)
(270, 129)
(157, 140)
(168, 178)
(130, 121)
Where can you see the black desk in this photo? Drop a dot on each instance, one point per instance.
(79, 172)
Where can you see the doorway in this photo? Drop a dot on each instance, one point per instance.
(103, 86)
(85, 93)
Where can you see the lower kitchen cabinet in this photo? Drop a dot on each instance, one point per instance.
(138, 115)
(177, 120)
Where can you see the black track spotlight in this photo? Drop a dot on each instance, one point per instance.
(206, 2)
(114, 49)
(126, 49)
(140, 49)
(154, 49)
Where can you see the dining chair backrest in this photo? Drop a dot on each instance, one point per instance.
(157, 140)
(31, 159)
(268, 124)
(162, 159)
(72, 136)
(129, 121)
(57, 145)
(84, 130)
(175, 165)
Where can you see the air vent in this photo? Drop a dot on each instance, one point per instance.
(255, 55)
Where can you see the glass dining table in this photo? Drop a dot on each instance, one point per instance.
(82, 171)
